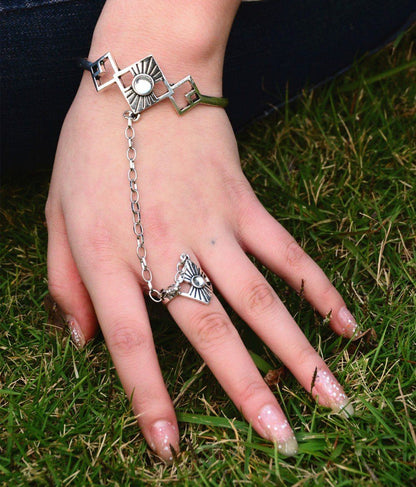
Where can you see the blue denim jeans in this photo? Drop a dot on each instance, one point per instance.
(274, 45)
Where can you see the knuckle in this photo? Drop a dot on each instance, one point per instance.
(101, 247)
(56, 289)
(157, 224)
(305, 355)
(252, 391)
(238, 188)
(211, 330)
(127, 339)
(62, 282)
(259, 298)
(295, 255)
(100, 239)
(96, 244)
(328, 293)
(240, 196)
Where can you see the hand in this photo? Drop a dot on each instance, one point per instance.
(195, 199)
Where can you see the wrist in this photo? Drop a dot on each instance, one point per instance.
(184, 37)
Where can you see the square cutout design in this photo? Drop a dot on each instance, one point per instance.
(143, 85)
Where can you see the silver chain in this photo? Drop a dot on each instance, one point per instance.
(131, 153)
(140, 96)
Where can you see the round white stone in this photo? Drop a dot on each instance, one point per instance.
(143, 84)
(198, 282)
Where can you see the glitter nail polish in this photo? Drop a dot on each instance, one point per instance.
(331, 394)
(164, 435)
(348, 324)
(277, 429)
(76, 333)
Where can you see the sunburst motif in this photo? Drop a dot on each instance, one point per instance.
(147, 66)
(200, 285)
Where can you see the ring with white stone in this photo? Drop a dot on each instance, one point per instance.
(190, 282)
(200, 287)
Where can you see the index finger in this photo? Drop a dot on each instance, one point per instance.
(279, 251)
(119, 304)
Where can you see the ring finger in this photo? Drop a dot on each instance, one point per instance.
(211, 332)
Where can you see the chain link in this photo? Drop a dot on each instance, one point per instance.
(131, 154)
(141, 252)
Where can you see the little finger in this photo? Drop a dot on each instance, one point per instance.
(66, 286)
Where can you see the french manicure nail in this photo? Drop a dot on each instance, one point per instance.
(76, 333)
(331, 394)
(277, 429)
(348, 324)
(164, 435)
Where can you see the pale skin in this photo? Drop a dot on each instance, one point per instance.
(195, 199)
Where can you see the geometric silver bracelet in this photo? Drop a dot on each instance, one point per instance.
(143, 85)
(140, 82)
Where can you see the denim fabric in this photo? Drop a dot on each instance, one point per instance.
(280, 45)
(273, 45)
(26, 4)
(39, 76)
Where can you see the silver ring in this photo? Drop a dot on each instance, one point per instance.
(190, 282)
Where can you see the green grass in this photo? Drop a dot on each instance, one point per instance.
(337, 168)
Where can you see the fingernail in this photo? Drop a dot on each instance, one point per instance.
(76, 333)
(277, 429)
(164, 435)
(331, 394)
(348, 324)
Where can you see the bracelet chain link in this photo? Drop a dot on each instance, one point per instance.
(174, 289)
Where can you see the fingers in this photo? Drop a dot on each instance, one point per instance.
(252, 297)
(119, 306)
(211, 332)
(121, 311)
(66, 286)
(277, 249)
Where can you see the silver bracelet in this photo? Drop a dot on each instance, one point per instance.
(140, 93)
(145, 75)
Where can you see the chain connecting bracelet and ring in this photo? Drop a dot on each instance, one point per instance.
(189, 281)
